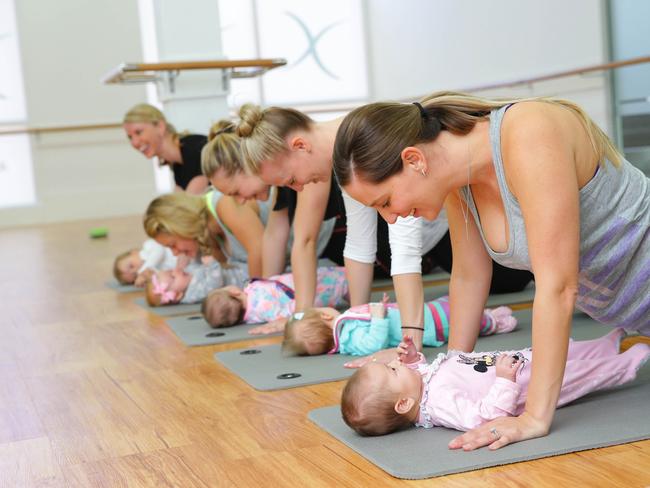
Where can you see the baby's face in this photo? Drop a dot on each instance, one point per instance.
(396, 377)
(175, 280)
(130, 265)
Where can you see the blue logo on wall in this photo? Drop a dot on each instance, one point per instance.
(312, 41)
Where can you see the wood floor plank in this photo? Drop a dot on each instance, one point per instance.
(95, 391)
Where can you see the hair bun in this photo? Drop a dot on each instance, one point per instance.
(250, 115)
(221, 127)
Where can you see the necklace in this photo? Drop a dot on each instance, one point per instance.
(465, 209)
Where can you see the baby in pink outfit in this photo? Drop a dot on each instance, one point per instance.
(464, 390)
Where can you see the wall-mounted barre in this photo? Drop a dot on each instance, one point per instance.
(169, 70)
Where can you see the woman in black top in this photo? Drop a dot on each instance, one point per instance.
(151, 134)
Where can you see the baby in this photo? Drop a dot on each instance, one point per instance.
(267, 300)
(192, 284)
(130, 266)
(369, 328)
(464, 390)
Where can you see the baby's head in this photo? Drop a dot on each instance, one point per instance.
(126, 266)
(223, 307)
(310, 335)
(167, 287)
(381, 398)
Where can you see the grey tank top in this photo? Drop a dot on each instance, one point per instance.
(614, 279)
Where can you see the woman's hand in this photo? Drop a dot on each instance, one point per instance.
(508, 366)
(271, 327)
(384, 356)
(501, 432)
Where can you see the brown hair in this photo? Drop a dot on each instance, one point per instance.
(308, 336)
(182, 215)
(223, 151)
(117, 272)
(371, 138)
(370, 411)
(221, 309)
(263, 132)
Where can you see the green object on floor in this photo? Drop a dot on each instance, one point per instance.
(98, 232)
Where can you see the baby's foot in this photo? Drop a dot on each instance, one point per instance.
(503, 319)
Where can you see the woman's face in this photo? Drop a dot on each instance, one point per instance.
(406, 193)
(178, 245)
(294, 168)
(145, 137)
(240, 186)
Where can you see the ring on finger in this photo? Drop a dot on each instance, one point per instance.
(495, 433)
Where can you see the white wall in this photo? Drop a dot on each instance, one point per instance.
(66, 47)
(415, 47)
(420, 46)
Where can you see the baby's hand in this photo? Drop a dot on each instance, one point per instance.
(406, 351)
(507, 367)
(182, 260)
(377, 310)
(142, 278)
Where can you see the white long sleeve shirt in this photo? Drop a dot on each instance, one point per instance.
(409, 237)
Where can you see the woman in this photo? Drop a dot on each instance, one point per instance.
(535, 185)
(150, 133)
(286, 148)
(212, 225)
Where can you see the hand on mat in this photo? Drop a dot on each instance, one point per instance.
(384, 356)
(508, 366)
(406, 351)
(269, 328)
(500, 432)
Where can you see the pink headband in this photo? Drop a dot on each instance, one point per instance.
(166, 296)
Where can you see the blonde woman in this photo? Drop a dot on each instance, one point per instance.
(286, 148)
(150, 134)
(209, 225)
(533, 184)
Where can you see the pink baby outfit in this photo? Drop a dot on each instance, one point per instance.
(462, 391)
(272, 299)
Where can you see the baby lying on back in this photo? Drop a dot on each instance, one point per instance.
(268, 300)
(192, 284)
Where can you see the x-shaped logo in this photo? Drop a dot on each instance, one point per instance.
(311, 44)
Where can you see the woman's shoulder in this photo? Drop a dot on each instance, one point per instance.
(522, 116)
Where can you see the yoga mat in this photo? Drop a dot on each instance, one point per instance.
(122, 288)
(169, 310)
(263, 367)
(601, 419)
(193, 330)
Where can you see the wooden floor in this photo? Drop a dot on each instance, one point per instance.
(94, 391)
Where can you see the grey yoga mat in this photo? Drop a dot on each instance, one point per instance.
(601, 419)
(122, 288)
(265, 368)
(169, 310)
(193, 330)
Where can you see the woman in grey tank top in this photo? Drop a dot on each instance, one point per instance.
(534, 185)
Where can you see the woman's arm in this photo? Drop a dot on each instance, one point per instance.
(276, 236)
(360, 249)
(539, 157)
(471, 274)
(197, 185)
(245, 224)
(310, 211)
(405, 236)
